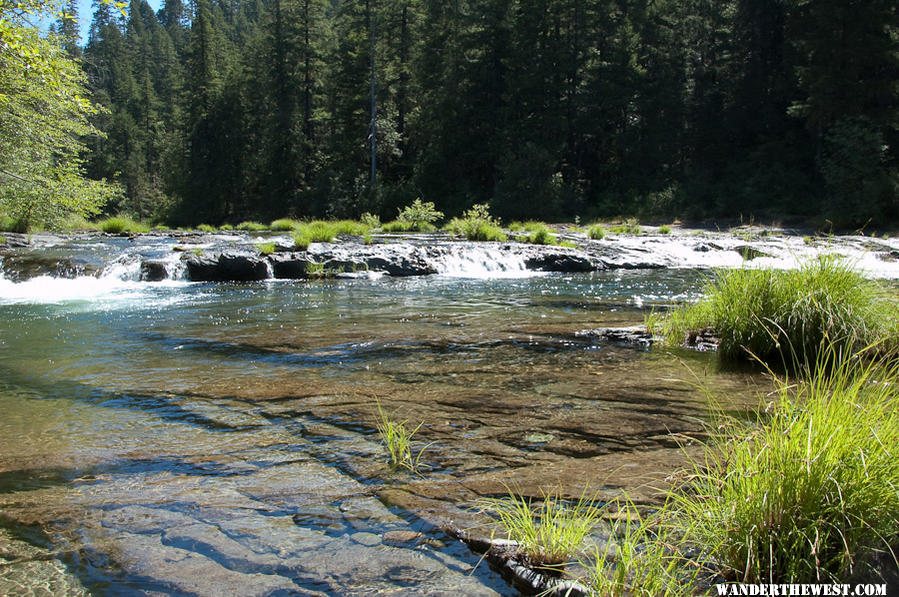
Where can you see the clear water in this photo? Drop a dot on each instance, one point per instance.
(220, 439)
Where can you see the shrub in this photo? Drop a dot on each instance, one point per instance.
(810, 493)
(477, 224)
(122, 225)
(252, 227)
(284, 225)
(207, 228)
(597, 232)
(785, 317)
(266, 248)
(370, 220)
(549, 534)
(420, 216)
(9, 224)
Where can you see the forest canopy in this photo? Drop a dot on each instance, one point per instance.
(224, 110)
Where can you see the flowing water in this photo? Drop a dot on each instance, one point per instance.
(186, 438)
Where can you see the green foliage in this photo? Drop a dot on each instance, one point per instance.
(419, 216)
(320, 231)
(2, 240)
(315, 270)
(477, 224)
(645, 555)
(783, 317)
(122, 225)
(266, 248)
(629, 226)
(226, 227)
(370, 220)
(808, 494)
(44, 116)
(397, 438)
(399, 226)
(549, 534)
(536, 233)
(251, 227)
(284, 225)
(207, 228)
(597, 232)
(664, 229)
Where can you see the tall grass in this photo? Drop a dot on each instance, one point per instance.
(628, 226)
(783, 317)
(122, 225)
(597, 232)
(250, 226)
(320, 231)
(397, 438)
(549, 534)
(535, 233)
(812, 492)
(284, 225)
(645, 555)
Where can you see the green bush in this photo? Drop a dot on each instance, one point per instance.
(252, 227)
(664, 229)
(810, 493)
(370, 220)
(597, 232)
(122, 225)
(477, 224)
(417, 217)
(207, 228)
(784, 317)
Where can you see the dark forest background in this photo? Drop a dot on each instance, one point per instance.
(223, 110)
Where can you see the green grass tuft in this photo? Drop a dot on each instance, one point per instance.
(629, 226)
(549, 534)
(397, 438)
(284, 225)
(783, 317)
(320, 231)
(207, 228)
(251, 227)
(810, 493)
(597, 232)
(664, 229)
(122, 225)
(266, 248)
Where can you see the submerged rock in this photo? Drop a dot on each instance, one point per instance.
(635, 337)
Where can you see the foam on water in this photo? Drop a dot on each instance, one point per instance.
(475, 261)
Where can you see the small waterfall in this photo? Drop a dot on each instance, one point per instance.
(470, 260)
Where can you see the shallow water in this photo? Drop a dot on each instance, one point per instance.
(220, 439)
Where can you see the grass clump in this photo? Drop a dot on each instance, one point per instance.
(249, 226)
(629, 226)
(397, 438)
(549, 534)
(419, 216)
(536, 233)
(664, 229)
(266, 248)
(784, 317)
(284, 225)
(207, 228)
(122, 225)
(370, 220)
(810, 494)
(320, 231)
(477, 224)
(645, 555)
(597, 232)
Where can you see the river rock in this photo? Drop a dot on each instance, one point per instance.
(153, 271)
(226, 267)
(749, 253)
(635, 337)
(562, 262)
(290, 266)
